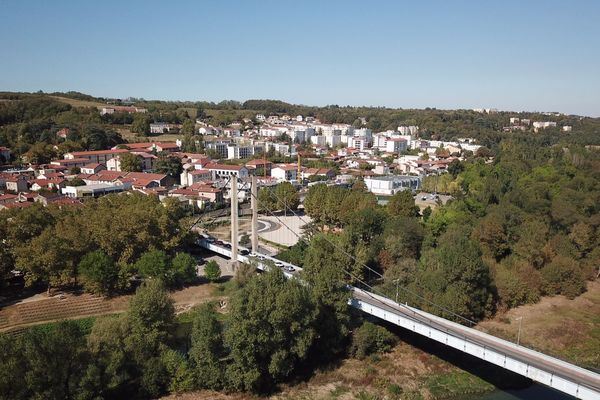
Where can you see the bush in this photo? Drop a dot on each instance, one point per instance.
(563, 276)
(517, 284)
(371, 338)
(212, 271)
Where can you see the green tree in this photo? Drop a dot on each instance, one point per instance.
(168, 165)
(563, 276)
(287, 196)
(183, 266)
(207, 349)
(13, 368)
(141, 124)
(55, 359)
(99, 272)
(151, 312)
(130, 162)
(266, 200)
(454, 276)
(155, 264)
(212, 271)
(324, 271)
(181, 376)
(403, 204)
(113, 367)
(188, 127)
(271, 332)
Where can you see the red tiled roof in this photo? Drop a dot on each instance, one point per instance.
(224, 167)
(98, 152)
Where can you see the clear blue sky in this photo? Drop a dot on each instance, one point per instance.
(511, 55)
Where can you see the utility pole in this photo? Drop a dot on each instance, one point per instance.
(234, 221)
(254, 203)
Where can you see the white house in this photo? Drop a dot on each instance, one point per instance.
(285, 172)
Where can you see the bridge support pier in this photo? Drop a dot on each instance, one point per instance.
(254, 203)
(234, 222)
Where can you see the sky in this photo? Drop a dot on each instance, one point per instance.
(511, 55)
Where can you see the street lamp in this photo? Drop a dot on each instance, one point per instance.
(397, 282)
(520, 319)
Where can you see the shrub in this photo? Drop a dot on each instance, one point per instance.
(371, 338)
(563, 276)
(212, 271)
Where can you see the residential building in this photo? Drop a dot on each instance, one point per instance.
(220, 171)
(158, 128)
(392, 184)
(327, 173)
(92, 168)
(191, 176)
(259, 167)
(95, 190)
(122, 109)
(16, 183)
(95, 156)
(70, 163)
(395, 145)
(285, 172)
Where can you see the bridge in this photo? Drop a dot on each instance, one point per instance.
(557, 374)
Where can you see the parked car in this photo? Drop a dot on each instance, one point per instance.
(244, 252)
(289, 268)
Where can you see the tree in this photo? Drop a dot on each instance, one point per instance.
(563, 276)
(183, 266)
(455, 168)
(188, 127)
(324, 272)
(207, 349)
(55, 359)
(13, 368)
(141, 124)
(454, 276)
(155, 264)
(99, 272)
(403, 204)
(287, 196)
(371, 338)
(130, 162)
(76, 182)
(271, 331)
(113, 367)
(150, 316)
(212, 271)
(168, 165)
(266, 200)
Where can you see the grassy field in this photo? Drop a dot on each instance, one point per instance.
(79, 103)
(569, 329)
